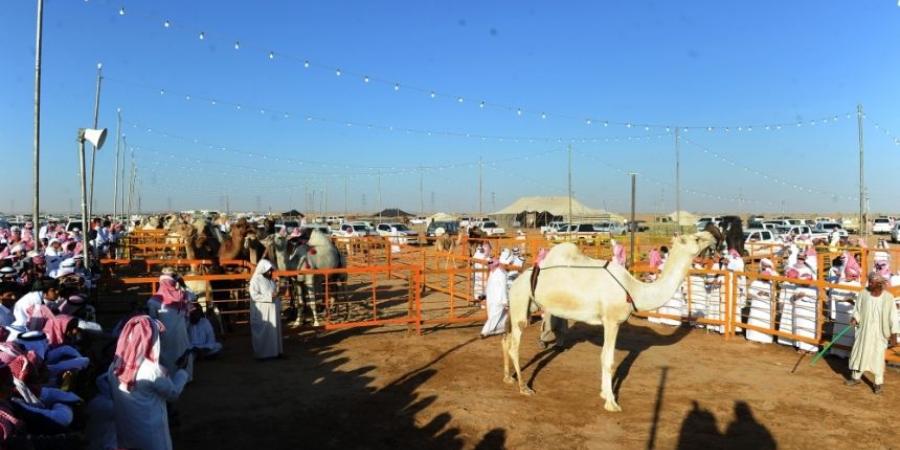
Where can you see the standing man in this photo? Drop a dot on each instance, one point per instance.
(497, 301)
(265, 313)
(876, 320)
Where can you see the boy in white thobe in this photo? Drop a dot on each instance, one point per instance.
(265, 313)
(876, 320)
(497, 302)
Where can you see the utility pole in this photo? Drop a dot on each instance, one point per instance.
(421, 192)
(432, 202)
(36, 165)
(633, 223)
(118, 150)
(677, 180)
(480, 185)
(346, 197)
(863, 220)
(379, 197)
(122, 173)
(94, 151)
(227, 205)
(570, 184)
(493, 200)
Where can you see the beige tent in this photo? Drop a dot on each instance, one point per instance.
(537, 211)
(687, 219)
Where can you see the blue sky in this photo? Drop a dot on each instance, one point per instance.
(692, 64)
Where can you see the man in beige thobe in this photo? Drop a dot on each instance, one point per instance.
(875, 317)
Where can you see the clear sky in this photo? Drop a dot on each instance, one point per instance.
(688, 63)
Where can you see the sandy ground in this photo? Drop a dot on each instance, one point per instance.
(378, 388)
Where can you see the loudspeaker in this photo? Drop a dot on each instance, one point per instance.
(94, 136)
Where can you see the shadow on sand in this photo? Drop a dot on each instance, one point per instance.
(700, 430)
(310, 400)
(633, 339)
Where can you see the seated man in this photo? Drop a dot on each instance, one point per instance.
(203, 338)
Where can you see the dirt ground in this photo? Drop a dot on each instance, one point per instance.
(380, 388)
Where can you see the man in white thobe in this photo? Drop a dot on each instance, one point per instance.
(265, 313)
(497, 301)
(876, 320)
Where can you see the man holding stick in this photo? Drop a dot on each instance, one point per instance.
(875, 317)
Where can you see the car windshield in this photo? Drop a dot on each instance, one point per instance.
(830, 226)
(489, 225)
(359, 228)
(882, 221)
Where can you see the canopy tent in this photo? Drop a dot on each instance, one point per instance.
(442, 217)
(687, 219)
(534, 212)
(393, 212)
(293, 213)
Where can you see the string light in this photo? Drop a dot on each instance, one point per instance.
(627, 124)
(202, 36)
(166, 24)
(237, 45)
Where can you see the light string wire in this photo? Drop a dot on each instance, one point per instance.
(287, 115)
(202, 34)
(766, 176)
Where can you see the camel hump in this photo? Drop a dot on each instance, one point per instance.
(567, 253)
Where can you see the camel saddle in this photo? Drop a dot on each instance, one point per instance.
(536, 271)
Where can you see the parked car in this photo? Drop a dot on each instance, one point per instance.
(895, 233)
(312, 226)
(882, 225)
(638, 226)
(490, 228)
(613, 228)
(760, 242)
(418, 220)
(582, 232)
(450, 227)
(824, 219)
(830, 227)
(553, 227)
(354, 229)
(397, 233)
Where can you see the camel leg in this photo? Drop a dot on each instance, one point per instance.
(610, 330)
(507, 378)
(297, 302)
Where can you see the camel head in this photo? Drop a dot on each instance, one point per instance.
(695, 243)
(716, 233)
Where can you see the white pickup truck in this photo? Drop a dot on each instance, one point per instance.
(761, 242)
(824, 230)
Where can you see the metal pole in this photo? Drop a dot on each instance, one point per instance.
(379, 198)
(96, 121)
(122, 174)
(346, 197)
(36, 166)
(677, 181)
(116, 177)
(84, 201)
(570, 183)
(633, 223)
(480, 185)
(863, 225)
(421, 192)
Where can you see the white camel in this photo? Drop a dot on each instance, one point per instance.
(573, 286)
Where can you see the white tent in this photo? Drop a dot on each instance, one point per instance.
(442, 217)
(687, 219)
(532, 211)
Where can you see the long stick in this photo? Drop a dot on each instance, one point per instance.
(36, 165)
(836, 338)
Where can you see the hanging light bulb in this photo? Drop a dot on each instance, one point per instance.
(187, 97)
(628, 125)
(166, 24)
(543, 115)
(122, 11)
(587, 121)
(365, 79)
(162, 92)
(202, 36)
(306, 64)
(237, 45)
(605, 123)
(337, 72)
(433, 95)
(397, 86)
(481, 105)
(271, 55)
(213, 102)
(460, 99)
(238, 107)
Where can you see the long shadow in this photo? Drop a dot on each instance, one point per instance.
(700, 430)
(316, 398)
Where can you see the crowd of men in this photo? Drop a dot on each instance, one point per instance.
(66, 381)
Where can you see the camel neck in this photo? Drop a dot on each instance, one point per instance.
(650, 296)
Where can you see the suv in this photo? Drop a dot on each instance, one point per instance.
(490, 228)
(582, 232)
(397, 233)
(830, 227)
(761, 242)
(553, 227)
(450, 227)
(702, 222)
(353, 229)
(895, 233)
(609, 227)
(882, 225)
